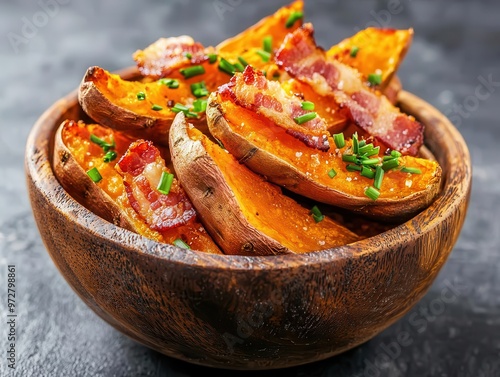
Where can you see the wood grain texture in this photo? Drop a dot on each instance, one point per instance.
(248, 312)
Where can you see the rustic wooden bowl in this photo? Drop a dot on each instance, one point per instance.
(248, 312)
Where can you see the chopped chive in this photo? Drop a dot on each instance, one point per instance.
(200, 105)
(339, 140)
(199, 89)
(192, 71)
(110, 156)
(171, 83)
(156, 107)
(240, 67)
(375, 79)
(370, 161)
(102, 143)
(265, 56)
(354, 51)
(188, 55)
(141, 96)
(372, 193)
(242, 61)
(316, 214)
(226, 67)
(351, 167)
(180, 243)
(94, 174)
(405, 169)
(307, 105)
(267, 44)
(367, 148)
(212, 58)
(390, 164)
(178, 108)
(395, 154)
(355, 143)
(305, 118)
(350, 158)
(387, 158)
(367, 172)
(296, 15)
(379, 176)
(190, 114)
(165, 183)
(361, 144)
(332, 173)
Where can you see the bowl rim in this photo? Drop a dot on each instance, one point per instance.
(38, 159)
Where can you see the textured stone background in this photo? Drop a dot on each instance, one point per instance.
(456, 43)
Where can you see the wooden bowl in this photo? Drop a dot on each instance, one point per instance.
(248, 312)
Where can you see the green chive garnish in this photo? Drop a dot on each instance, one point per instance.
(367, 172)
(165, 183)
(375, 79)
(110, 156)
(94, 174)
(379, 176)
(350, 158)
(141, 96)
(200, 105)
(307, 105)
(390, 164)
(351, 167)
(316, 214)
(212, 58)
(267, 44)
(372, 193)
(368, 149)
(354, 51)
(339, 140)
(405, 169)
(226, 67)
(199, 89)
(102, 143)
(332, 173)
(370, 161)
(177, 108)
(239, 66)
(396, 154)
(192, 71)
(180, 243)
(355, 143)
(296, 15)
(171, 83)
(242, 61)
(305, 118)
(188, 55)
(265, 56)
(156, 107)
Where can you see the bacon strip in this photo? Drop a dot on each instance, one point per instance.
(253, 91)
(368, 109)
(167, 54)
(141, 168)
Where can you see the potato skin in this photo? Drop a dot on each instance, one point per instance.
(75, 180)
(280, 172)
(213, 199)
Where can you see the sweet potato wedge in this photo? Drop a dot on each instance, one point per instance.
(244, 213)
(109, 198)
(283, 159)
(139, 109)
(374, 50)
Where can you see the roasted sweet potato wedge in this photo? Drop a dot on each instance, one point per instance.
(321, 175)
(167, 218)
(243, 212)
(374, 51)
(140, 109)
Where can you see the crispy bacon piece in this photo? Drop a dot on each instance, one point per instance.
(368, 109)
(166, 54)
(141, 168)
(253, 91)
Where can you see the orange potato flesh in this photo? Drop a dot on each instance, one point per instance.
(268, 210)
(268, 137)
(379, 49)
(76, 137)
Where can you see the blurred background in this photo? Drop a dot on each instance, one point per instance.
(45, 48)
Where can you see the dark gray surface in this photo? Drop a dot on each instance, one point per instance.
(456, 43)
